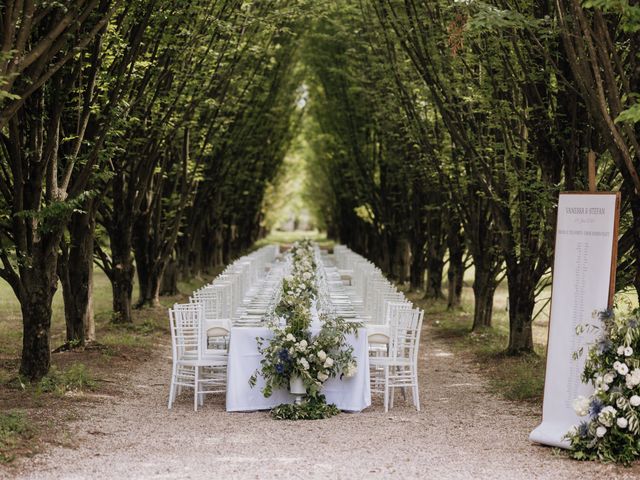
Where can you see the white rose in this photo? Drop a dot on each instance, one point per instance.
(628, 352)
(328, 363)
(290, 337)
(620, 350)
(622, 422)
(616, 364)
(304, 363)
(635, 401)
(632, 380)
(322, 355)
(608, 377)
(322, 376)
(623, 369)
(581, 406)
(303, 344)
(600, 432)
(606, 416)
(629, 380)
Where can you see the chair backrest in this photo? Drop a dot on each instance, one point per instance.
(405, 336)
(382, 302)
(393, 309)
(216, 300)
(186, 323)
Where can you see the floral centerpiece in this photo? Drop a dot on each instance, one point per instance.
(611, 429)
(294, 353)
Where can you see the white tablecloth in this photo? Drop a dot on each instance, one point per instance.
(350, 394)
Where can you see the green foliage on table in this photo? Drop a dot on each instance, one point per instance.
(293, 350)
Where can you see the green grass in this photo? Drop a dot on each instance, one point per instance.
(514, 378)
(15, 431)
(74, 378)
(11, 317)
(147, 321)
(289, 237)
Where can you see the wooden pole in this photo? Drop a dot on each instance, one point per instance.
(591, 159)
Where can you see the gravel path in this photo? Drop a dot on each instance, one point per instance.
(462, 432)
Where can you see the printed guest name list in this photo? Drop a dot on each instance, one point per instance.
(582, 274)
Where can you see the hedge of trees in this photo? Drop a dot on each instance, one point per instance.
(450, 127)
(139, 135)
(142, 135)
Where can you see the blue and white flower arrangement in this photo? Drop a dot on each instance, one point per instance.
(611, 429)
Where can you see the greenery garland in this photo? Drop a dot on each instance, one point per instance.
(314, 408)
(294, 351)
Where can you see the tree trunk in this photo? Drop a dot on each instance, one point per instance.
(169, 284)
(521, 305)
(146, 267)
(76, 275)
(484, 287)
(39, 285)
(141, 252)
(455, 274)
(218, 252)
(36, 354)
(436, 248)
(403, 264)
(122, 279)
(435, 268)
(226, 246)
(417, 266)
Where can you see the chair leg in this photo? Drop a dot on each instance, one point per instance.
(196, 389)
(393, 390)
(172, 393)
(172, 387)
(416, 392)
(386, 389)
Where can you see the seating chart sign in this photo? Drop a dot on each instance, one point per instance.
(583, 283)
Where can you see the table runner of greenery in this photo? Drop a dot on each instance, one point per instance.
(295, 351)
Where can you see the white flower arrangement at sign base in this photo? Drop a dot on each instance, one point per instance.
(611, 429)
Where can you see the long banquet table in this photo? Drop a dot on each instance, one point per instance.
(349, 394)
